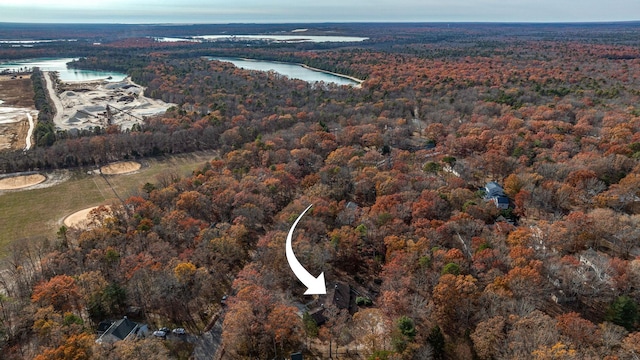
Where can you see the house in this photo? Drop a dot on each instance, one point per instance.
(103, 326)
(494, 193)
(119, 330)
(342, 295)
(318, 316)
(493, 189)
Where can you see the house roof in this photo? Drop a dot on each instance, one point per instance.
(119, 330)
(342, 295)
(493, 189)
(502, 199)
(318, 316)
(351, 205)
(104, 326)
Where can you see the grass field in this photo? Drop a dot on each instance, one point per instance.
(37, 213)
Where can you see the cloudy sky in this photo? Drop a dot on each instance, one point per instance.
(263, 11)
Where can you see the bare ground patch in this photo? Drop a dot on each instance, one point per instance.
(11, 134)
(120, 168)
(83, 105)
(16, 91)
(84, 217)
(16, 101)
(22, 181)
(51, 179)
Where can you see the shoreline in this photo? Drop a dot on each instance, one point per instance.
(359, 81)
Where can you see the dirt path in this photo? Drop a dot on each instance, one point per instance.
(54, 97)
(29, 132)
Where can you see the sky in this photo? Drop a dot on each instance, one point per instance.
(301, 11)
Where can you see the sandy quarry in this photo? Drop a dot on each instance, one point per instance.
(82, 105)
(81, 218)
(22, 181)
(120, 168)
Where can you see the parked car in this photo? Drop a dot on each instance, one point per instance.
(179, 331)
(165, 329)
(224, 300)
(160, 334)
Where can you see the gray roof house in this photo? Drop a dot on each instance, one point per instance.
(118, 331)
(495, 193)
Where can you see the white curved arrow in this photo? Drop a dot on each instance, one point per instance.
(314, 285)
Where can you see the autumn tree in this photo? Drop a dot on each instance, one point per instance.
(529, 333)
(454, 316)
(77, 347)
(285, 326)
(60, 291)
(488, 337)
(372, 329)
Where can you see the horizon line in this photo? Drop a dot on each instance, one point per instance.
(583, 22)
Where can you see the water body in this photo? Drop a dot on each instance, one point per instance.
(33, 41)
(60, 65)
(293, 71)
(274, 38)
(283, 38)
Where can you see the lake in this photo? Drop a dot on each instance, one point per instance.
(283, 38)
(293, 71)
(297, 38)
(60, 65)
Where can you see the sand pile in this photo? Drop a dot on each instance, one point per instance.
(22, 181)
(82, 218)
(120, 168)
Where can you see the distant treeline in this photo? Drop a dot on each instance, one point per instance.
(104, 148)
(120, 61)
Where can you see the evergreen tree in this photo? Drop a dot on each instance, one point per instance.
(624, 312)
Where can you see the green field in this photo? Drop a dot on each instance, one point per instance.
(38, 213)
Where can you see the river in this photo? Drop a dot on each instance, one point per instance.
(60, 65)
(293, 71)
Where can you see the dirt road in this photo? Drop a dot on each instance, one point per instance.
(54, 97)
(29, 132)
